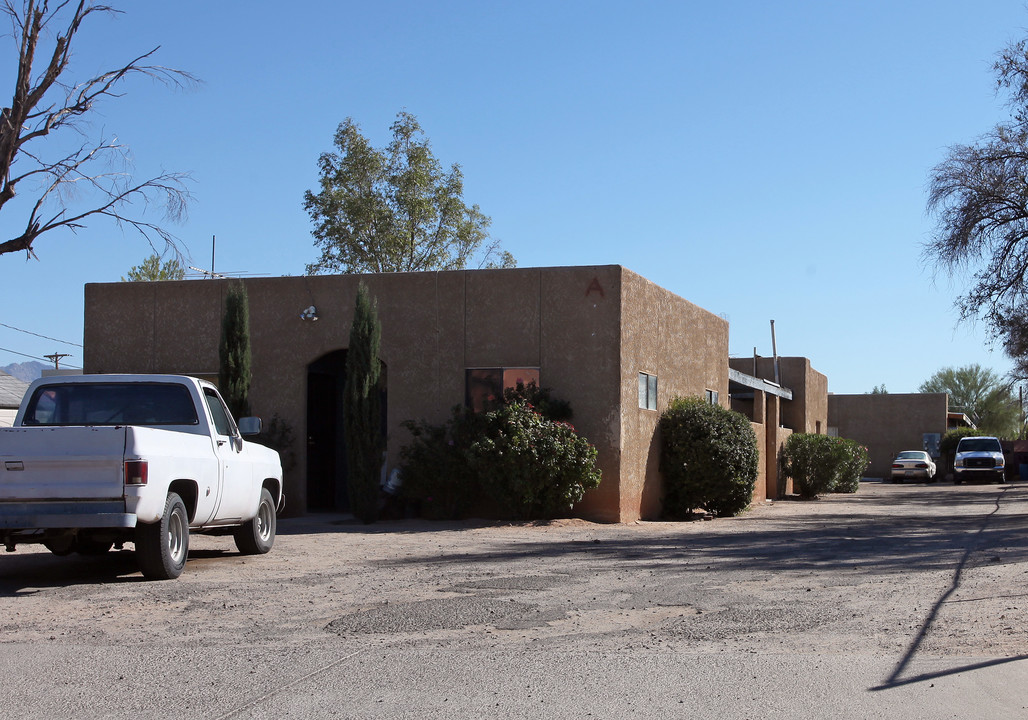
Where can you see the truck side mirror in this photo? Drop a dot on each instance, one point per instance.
(250, 426)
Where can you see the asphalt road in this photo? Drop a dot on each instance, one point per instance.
(902, 601)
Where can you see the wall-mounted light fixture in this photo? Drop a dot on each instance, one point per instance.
(309, 313)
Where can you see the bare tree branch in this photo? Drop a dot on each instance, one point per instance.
(43, 103)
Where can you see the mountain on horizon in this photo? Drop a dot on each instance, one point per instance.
(26, 371)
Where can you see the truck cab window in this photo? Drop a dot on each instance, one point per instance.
(219, 413)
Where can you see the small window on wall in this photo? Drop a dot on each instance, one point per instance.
(484, 386)
(647, 391)
(711, 397)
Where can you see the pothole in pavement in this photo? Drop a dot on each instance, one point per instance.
(509, 582)
(442, 614)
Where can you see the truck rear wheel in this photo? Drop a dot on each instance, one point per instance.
(162, 547)
(256, 536)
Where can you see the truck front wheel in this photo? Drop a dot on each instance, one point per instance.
(256, 536)
(162, 547)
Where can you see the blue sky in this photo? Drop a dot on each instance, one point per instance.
(762, 160)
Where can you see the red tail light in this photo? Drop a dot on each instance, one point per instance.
(922, 465)
(135, 472)
(897, 465)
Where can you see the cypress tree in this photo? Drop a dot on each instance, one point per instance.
(362, 408)
(234, 352)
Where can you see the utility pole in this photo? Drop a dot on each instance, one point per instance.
(56, 359)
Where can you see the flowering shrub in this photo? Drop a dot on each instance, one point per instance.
(434, 467)
(532, 466)
(709, 458)
(529, 465)
(541, 399)
(820, 464)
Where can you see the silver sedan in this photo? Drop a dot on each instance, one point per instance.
(913, 465)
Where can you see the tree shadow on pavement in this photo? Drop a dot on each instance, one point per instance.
(975, 543)
(857, 542)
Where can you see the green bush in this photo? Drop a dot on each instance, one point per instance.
(809, 460)
(820, 464)
(529, 465)
(948, 444)
(434, 468)
(709, 458)
(853, 460)
(532, 466)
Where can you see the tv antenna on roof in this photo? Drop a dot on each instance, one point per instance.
(209, 273)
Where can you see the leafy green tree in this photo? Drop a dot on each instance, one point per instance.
(879, 390)
(394, 209)
(234, 351)
(153, 269)
(982, 395)
(362, 412)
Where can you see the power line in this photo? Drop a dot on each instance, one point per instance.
(45, 337)
(33, 357)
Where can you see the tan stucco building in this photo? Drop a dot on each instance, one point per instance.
(889, 423)
(780, 396)
(615, 345)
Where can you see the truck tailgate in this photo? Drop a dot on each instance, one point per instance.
(62, 463)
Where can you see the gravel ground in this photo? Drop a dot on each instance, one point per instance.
(875, 597)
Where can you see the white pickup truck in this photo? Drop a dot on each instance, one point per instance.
(93, 461)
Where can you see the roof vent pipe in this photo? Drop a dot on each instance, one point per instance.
(774, 351)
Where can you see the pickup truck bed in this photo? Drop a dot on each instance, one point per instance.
(77, 478)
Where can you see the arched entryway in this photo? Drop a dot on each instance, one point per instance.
(326, 439)
(326, 442)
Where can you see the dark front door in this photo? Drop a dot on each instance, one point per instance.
(326, 443)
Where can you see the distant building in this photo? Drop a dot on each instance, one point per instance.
(889, 423)
(797, 402)
(12, 390)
